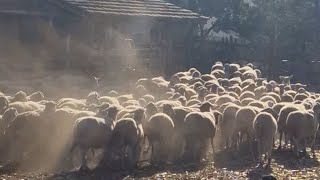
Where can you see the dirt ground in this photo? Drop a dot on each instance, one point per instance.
(284, 166)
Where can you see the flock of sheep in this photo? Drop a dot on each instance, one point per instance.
(179, 120)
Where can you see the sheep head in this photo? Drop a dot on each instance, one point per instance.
(10, 113)
(138, 115)
(285, 79)
(205, 107)
(110, 113)
(271, 111)
(20, 96)
(50, 107)
(316, 110)
(168, 109)
(4, 104)
(37, 96)
(151, 109)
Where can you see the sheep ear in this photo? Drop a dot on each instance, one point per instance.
(281, 77)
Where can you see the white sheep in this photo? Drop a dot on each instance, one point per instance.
(93, 132)
(265, 128)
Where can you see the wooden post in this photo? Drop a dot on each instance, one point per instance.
(68, 47)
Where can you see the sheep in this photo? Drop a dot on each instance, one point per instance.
(93, 98)
(236, 74)
(123, 98)
(302, 126)
(228, 123)
(8, 116)
(247, 101)
(274, 95)
(130, 103)
(249, 74)
(235, 81)
(285, 79)
(150, 110)
(149, 98)
(93, 132)
(159, 130)
(224, 99)
(243, 123)
(139, 91)
(217, 73)
(300, 96)
(284, 112)
(80, 114)
(4, 104)
(259, 91)
(198, 128)
(237, 89)
(113, 93)
(142, 102)
(207, 77)
(286, 98)
(265, 128)
(233, 94)
(126, 139)
(26, 106)
(251, 87)
(217, 66)
(177, 115)
(258, 104)
(73, 104)
(193, 102)
(260, 81)
(19, 97)
(23, 135)
(298, 86)
(268, 99)
(173, 103)
(36, 96)
(110, 100)
(196, 74)
(247, 94)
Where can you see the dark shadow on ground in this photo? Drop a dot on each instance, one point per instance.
(289, 160)
(234, 161)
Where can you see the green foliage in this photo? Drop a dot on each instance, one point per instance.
(283, 29)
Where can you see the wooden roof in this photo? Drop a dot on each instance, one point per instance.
(149, 8)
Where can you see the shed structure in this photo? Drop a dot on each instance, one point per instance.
(98, 36)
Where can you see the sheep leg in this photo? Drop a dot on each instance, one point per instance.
(83, 152)
(269, 158)
(260, 154)
(212, 146)
(312, 149)
(153, 160)
(286, 139)
(304, 147)
(280, 140)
